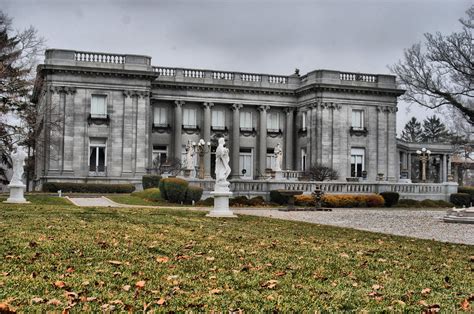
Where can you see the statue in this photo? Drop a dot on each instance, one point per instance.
(189, 156)
(278, 152)
(18, 159)
(222, 166)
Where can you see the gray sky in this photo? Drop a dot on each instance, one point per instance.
(259, 36)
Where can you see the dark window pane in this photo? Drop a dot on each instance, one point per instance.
(92, 158)
(101, 161)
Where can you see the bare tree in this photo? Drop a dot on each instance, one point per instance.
(319, 172)
(440, 71)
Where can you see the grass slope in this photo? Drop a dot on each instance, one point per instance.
(90, 259)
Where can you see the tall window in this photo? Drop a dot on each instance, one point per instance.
(218, 119)
(99, 106)
(303, 120)
(273, 122)
(357, 162)
(245, 120)
(97, 154)
(357, 119)
(246, 163)
(303, 159)
(159, 155)
(189, 117)
(270, 159)
(160, 116)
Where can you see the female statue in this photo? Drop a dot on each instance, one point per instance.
(222, 164)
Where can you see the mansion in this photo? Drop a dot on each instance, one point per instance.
(111, 118)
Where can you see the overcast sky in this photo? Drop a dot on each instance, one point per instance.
(259, 36)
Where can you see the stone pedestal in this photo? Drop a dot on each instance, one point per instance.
(279, 175)
(221, 205)
(16, 194)
(460, 215)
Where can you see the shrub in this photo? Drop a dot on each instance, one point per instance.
(161, 186)
(152, 194)
(408, 203)
(256, 201)
(66, 187)
(175, 189)
(304, 200)
(150, 181)
(390, 198)
(193, 193)
(239, 201)
(207, 202)
(468, 190)
(460, 199)
(277, 197)
(352, 200)
(428, 203)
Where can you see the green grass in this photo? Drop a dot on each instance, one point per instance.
(131, 200)
(189, 261)
(42, 199)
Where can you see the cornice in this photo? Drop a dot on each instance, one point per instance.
(90, 71)
(313, 88)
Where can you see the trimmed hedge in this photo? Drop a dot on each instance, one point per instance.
(193, 193)
(390, 198)
(277, 197)
(150, 181)
(66, 187)
(161, 186)
(175, 189)
(207, 202)
(152, 194)
(460, 199)
(468, 190)
(352, 200)
(239, 201)
(304, 200)
(410, 203)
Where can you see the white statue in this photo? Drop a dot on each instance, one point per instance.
(189, 156)
(278, 152)
(18, 160)
(222, 166)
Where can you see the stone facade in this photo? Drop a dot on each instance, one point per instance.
(344, 120)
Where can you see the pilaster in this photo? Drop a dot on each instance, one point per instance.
(128, 129)
(207, 137)
(235, 140)
(178, 122)
(68, 140)
(289, 139)
(262, 151)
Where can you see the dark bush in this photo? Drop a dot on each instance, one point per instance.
(66, 187)
(256, 201)
(239, 201)
(460, 199)
(150, 181)
(207, 202)
(444, 204)
(193, 193)
(390, 198)
(277, 197)
(468, 190)
(161, 186)
(175, 189)
(408, 203)
(428, 203)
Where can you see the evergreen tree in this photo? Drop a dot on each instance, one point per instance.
(435, 131)
(412, 131)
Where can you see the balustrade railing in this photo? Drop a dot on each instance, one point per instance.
(273, 79)
(344, 76)
(193, 73)
(250, 77)
(229, 76)
(99, 57)
(165, 71)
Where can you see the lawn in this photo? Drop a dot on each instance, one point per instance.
(92, 259)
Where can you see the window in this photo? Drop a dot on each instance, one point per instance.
(273, 121)
(189, 117)
(218, 119)
(246, 163)
(270, 159)
(357, 162)
(303, 159)
(97, 155)
(99, 106)
(358, 119)
(246, 120)
(303, 120)
(160, 116)
(159, 155)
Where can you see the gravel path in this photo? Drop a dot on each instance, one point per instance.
(423, 224)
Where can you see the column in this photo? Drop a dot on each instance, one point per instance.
(178, 122)
(69, 130)
(262, 149)
(392, 165)
(127, 132)
(142, 134)
(409, 165)
(207, 137)
(54, 132)
(315, 135)
(235, 140)
(444, 173)
(289, 139)
(448, 160)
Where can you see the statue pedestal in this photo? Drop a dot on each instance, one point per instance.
(221, 205)
(16, 194)
(279, 175)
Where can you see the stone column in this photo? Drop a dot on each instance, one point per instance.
(444, 173)
(68, 145)
(178, 123)
(235, 144)
(409, 165)
(315, 135)
(392, 165)
(262, 149)
(289, 139)
(127, 132)
(207, 137)
(141, 141)
(448, 160)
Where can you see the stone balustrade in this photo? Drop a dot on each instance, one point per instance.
(345, 76)
(98, 57)
(417, 191)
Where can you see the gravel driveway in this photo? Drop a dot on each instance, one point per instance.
(423, 224)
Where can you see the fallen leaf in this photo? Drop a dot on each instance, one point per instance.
(54, 302)
(400, 302)
(5, 308)
(280, 273)
(161, 301)
(425, 291)
(465, 305)
(70, 294)
(215, 291)
(60, 284)
(140, 284)
(270, 297)
(422, 302)
(162, 259)
(270, 284)
(126, 288)
(116, 302)
(37, 300)
(91, 299)
(377, 287)
(344, 255)
(210, 258)
(70, 270)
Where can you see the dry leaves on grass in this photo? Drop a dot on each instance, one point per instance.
(140, 284)
(425, 291)
(270, 284)
(162, 259)
(115, 263)
(60, 284)
(6, 308)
